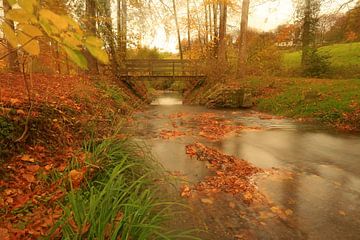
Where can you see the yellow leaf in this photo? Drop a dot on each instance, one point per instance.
(98, 53)
(71, 41)
(76, 56)
(58, 21)
(73, 24)
(30, 30)
(28, 5)
(11, 2)
(10, 35)
(30, 46)
(94, 41)
(19, 15)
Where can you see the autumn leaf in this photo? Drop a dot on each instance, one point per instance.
(27, 158)
(4, 234)
(76, 177)
(29, 177)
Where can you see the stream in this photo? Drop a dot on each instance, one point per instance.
(316, 179)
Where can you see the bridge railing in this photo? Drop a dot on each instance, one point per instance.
(161, 68)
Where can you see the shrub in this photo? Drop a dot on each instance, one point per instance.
(317, 65)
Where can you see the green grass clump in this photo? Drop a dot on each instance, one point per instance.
(119, 200)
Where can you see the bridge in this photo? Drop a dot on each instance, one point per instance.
(148, 69)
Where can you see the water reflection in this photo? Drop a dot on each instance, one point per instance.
(168, 99)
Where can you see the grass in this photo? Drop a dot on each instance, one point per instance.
(343, 56)
(326, 100)
(119, 200)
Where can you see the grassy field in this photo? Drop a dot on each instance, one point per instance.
(344, 57)
(335, 102)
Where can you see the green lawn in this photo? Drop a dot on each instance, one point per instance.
(331, 101)
(342, 55)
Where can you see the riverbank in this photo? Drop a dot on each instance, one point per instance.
(66, 167)
(328, 101)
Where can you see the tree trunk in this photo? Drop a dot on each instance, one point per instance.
(13, 64)
(222, 32)
(243, 41)
(215, 9)
(91, 29)
(124, 29)
(188, 23)
(206, 23)
(119, 28)
(210, 23)
(177, 30)
(306, 33)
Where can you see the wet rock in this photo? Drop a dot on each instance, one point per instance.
(229, 97)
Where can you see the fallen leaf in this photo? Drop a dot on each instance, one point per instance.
(4, 234)
(33, 168)
(76, 177)
(288, 212)
(207, 201)
(29, 177)
(342, 213)
(27, 158)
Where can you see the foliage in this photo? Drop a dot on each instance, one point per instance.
(35, 21)
(264, 58)
(143, 52)
(317, 64)
(346, 27)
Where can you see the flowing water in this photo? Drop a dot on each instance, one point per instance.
(322, 193)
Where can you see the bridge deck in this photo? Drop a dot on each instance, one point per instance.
(161, 68)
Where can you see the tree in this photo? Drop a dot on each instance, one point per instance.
(91, 29)
(310, 17)
(122, 28)
(242, 42)
(222, 31)
(177, 29)
(188, 24)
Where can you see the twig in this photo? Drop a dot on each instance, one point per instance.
(28, 89)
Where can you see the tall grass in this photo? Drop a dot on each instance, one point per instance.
(120, 199)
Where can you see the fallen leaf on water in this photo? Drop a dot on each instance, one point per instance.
(185, 191)
(342, 213)
(207, 200)
(288, 212)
